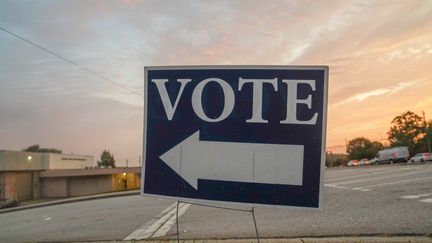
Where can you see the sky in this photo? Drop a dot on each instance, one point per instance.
(379, 55)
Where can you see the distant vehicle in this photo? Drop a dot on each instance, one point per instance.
(393, 155)
(421, 157)
(365, 162)
(353, 162)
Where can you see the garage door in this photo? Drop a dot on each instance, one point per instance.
(24, 186)
(86, 185)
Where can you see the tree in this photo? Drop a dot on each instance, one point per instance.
(107, 159)
(361, 147)
(333, 160)
(426, 141)
(376, 146)
(37, 149)
(407, 129)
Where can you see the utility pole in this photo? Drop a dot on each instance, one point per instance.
(127, 163)
(426, 132)
(346, 145)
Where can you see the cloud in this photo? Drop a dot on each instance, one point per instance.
(376, 50)
(411, 50)
(378, 92)
(363, 96)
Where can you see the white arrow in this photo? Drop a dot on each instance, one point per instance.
(194, 159)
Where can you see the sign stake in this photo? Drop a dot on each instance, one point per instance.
(255, 224)
(177, 222)
(252, 211)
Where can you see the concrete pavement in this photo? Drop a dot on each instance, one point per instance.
(377, 201)
(356, 239)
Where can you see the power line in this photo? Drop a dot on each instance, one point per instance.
(70, 61)
(336, 146)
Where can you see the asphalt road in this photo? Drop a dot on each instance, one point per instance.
(375, 200)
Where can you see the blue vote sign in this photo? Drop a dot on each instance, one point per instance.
(242, 134)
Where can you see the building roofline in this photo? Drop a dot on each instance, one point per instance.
(69, 154)
(88, 172)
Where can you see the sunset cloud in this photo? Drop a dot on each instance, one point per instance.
(365, 95)
(379, 55)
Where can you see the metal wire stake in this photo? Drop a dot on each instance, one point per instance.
(256, 228)
(212, 206)
(177, 222)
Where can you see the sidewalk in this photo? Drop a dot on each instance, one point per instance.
(49, 202)
(342, 239)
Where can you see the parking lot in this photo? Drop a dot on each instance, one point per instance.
(371, 200)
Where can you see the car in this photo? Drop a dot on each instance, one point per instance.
(421, 157)
(373, 161)
(364, 162)
(353, 162)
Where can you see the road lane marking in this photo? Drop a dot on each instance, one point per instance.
(143, 230)
(361, 189)
(377, 178)
(336, 186)
(410, 197)
(367, 173)
(349, 188)
(419, 196)
(416, 196)
(427, 200)
(160, 225)
(163, 230)
(397, 182)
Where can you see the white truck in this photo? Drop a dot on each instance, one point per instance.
(392, 155)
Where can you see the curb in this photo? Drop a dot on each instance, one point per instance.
(341, 239)
(70, 200)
